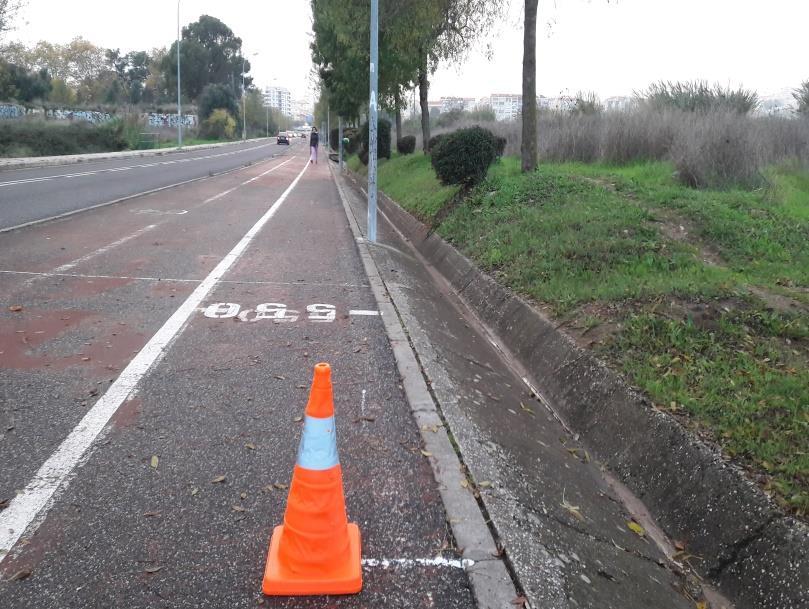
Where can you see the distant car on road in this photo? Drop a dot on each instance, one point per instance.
(282, 138)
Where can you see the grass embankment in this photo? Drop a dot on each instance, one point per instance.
(700, 297)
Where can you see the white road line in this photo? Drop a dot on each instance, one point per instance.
(116, 169)
(245, 183)
(362, 312)
(438, 561)
(104, 249)
(27, 509)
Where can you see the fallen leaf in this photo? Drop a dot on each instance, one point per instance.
(151, 570)
(250, 445)
(238, 508)
(520, 601)
(526, 409)
(301, 386)
(85, 359)
(280, 485)
(679, 545)
(426, 453)
(16, 309)
(154, 461)
(636, 528)
(151, 514)
(702, 605)
(218, 479)
(280, 377)
(573, 509)
(243, 495)
(194, 491)
(485, 484)
(298, 419)
(465, 483)
(20, 575)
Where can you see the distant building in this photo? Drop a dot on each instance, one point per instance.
(619, 103)
(434, 107)
(279, 98)
(457, 103)
(302, 111)
(781, 103)
(506, 106)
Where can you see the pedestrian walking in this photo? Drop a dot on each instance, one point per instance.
(314, 139)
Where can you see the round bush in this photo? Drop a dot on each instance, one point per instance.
(434, 141)
(464, 156)
(406, 145)
(382, 139)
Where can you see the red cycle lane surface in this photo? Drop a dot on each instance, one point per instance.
(221, 413)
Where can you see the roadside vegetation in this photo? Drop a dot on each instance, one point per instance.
(79, 77)
(699, 296)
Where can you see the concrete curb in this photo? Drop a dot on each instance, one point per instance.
(756, 554)
(75, 159)
(491, 582)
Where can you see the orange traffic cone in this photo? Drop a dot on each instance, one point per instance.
(316, 550)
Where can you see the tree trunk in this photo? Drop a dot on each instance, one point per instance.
(529, 88)
(398, 122)
(424, 90)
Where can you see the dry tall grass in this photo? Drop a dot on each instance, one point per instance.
(709, 149)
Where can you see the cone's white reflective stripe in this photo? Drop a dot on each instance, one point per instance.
(318, 448)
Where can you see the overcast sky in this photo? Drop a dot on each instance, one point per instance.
(610, 47)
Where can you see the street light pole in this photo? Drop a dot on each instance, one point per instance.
(372, 119)
(179, 106)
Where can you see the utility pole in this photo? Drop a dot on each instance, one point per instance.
(372, 120)
(179, 106)
(328, 127)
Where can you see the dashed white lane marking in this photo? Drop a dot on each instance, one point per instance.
(27, 509)
(104, 249)
(160, 212)
(245, 183)
(117, 169)
(93, 254)
(438, 561)
(362, 312)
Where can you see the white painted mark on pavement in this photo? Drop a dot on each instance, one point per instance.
(160, 212)
(27, 509)
(321, 312)
(104, 249)
(245, 183)
(362, 312)
(438, 561)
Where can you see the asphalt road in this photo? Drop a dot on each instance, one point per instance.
(28, 195)
(155, 357)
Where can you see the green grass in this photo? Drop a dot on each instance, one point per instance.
(590, 241)
(194, 141)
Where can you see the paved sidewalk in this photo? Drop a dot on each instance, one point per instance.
(174, 503)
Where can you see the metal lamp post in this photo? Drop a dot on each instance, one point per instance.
(179, 106)
(372, 120)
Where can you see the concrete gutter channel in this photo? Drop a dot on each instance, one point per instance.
(74, 159)
(755, 554)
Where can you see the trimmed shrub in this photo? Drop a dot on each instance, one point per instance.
(464, 156)
(214, 97)
(433, 142)
(363, 156)
(334, 139)
(382, 140)
(406, 145)
(353, 143)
